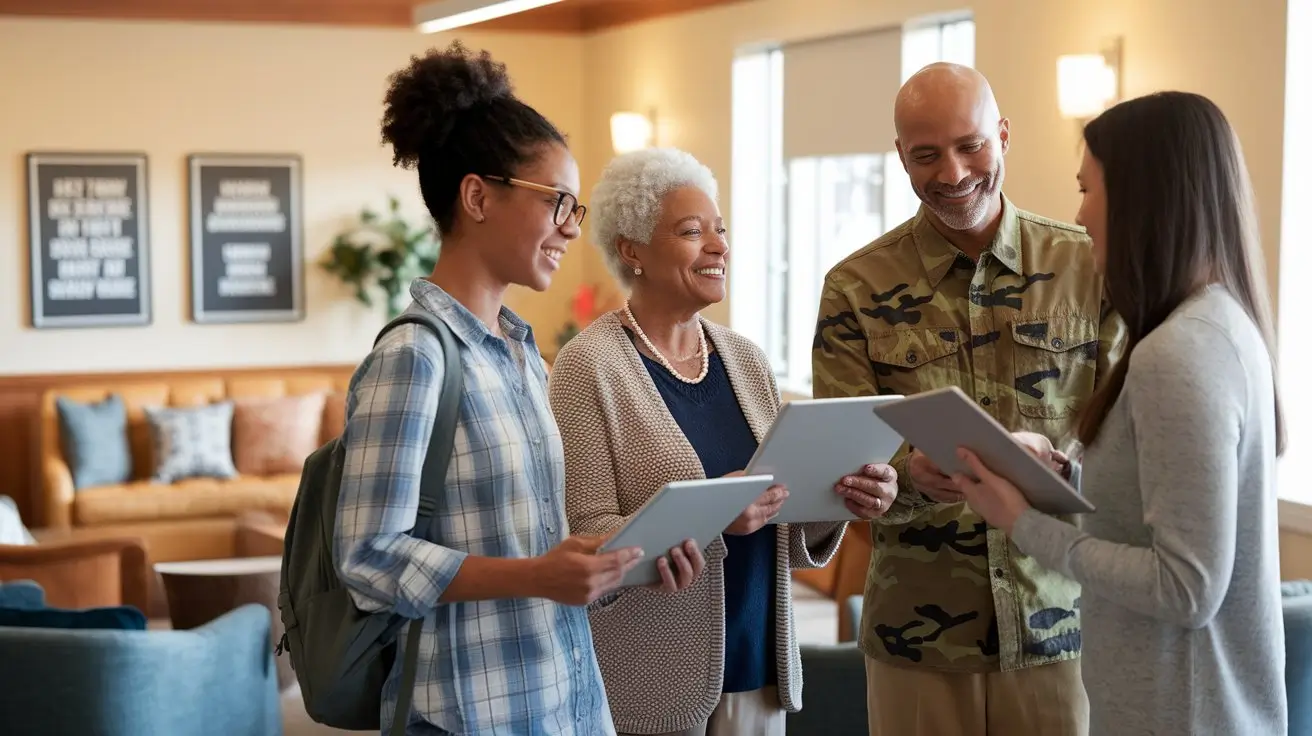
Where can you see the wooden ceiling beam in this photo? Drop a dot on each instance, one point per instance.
(599, 15)
(562, 17)
(387, 13)
(569, 16)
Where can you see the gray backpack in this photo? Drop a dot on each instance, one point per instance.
(342, 655)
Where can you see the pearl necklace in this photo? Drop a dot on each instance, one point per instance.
(660, 357)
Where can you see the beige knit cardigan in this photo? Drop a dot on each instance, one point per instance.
(661, 654)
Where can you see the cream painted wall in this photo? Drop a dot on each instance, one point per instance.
(172, 88)
(317, 91)
(1232, 52)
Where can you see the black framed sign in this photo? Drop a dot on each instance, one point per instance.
(89, 244)
(246, 230)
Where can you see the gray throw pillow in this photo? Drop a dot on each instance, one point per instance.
(192, 442)
(95, 441)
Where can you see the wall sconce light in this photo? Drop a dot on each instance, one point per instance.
(631, 131)
(443, 15)
(1088, 83)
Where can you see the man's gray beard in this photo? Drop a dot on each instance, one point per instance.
(970, 217)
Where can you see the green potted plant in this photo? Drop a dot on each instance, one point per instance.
(382, 252)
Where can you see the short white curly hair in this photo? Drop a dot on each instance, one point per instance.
(626, 202)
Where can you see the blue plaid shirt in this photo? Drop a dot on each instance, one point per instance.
(523, 666)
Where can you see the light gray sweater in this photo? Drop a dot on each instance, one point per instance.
(1183, 631)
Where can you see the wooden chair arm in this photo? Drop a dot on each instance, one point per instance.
(82, 573)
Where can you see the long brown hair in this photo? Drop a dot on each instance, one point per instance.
(1180, 216)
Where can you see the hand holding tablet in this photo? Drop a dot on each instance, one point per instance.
(939, 423)
(762, 511)
(680, 567)
(869, 493)
(699, 510)
(814, 443)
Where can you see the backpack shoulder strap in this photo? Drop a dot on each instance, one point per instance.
(432, 481)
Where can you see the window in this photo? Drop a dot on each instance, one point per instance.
(758, 298)
(816, 174)
(1294, 356)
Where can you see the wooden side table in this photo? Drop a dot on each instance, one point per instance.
(202, 590)
(260, 536)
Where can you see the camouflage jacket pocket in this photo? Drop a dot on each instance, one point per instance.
(1056, 359)
(910, 361)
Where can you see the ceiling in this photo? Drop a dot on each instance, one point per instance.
(568, 16)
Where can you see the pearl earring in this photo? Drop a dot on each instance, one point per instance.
(637, 272)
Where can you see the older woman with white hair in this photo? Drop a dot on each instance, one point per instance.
(653, 393)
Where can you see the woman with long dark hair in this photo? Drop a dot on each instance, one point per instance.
(1179, 565)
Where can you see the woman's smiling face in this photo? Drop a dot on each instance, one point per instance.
(687, 260)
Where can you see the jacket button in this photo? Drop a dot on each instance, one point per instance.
(998, 573)
(911, 356)
(1056, 342)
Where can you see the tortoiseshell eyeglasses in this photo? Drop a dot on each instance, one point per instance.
(567, 205)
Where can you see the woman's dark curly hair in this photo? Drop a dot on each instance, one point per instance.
(451, 113)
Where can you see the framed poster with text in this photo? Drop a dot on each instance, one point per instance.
(89, 242)
(246, 238)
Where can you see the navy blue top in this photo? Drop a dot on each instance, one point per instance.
(711, 419)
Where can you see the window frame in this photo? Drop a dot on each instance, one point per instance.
(762, 303)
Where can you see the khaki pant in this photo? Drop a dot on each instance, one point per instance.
(1048, 700)
(753, 713)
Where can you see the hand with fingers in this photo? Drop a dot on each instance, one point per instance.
(680, 568)
(763, 509)
(576, 574)
(871, 492)
(993, 497)
(930, 481)
(1042, 448)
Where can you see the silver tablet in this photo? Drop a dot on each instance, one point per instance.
(691, 509)
(939, 422)
(815, 442)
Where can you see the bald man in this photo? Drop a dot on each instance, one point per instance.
(964, 634)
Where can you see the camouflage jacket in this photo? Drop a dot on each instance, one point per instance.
(1024, 331)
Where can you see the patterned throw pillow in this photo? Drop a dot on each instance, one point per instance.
(95, 441)
(272, 436)
(192, 442)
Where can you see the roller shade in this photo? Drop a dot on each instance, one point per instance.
(838, 94)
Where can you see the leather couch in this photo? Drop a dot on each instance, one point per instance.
(191, 518)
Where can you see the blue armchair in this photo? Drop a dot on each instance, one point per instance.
(833, 692)
(1298, 655)
(215, 680)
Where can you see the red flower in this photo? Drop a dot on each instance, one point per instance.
(585, 302)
